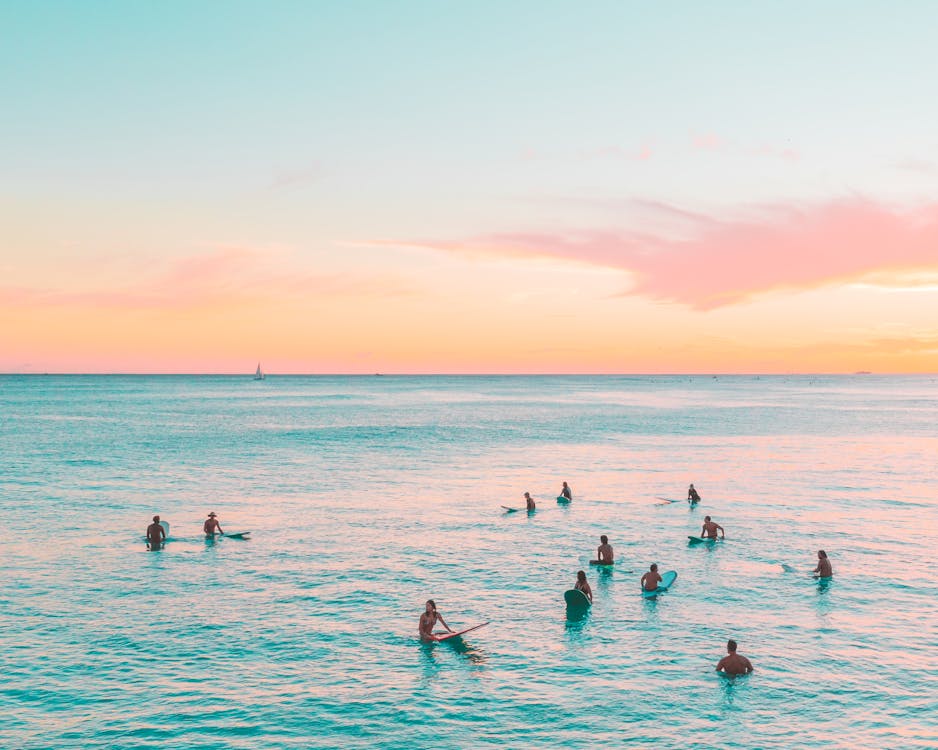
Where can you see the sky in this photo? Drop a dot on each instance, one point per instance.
(484, 187)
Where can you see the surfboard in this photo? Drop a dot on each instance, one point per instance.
(666, 580)
(664, 500)
(576, 599)
(562, 499)
(238, 535)
(510, 510)
(602, 564)
(701, 539)
(444, 636)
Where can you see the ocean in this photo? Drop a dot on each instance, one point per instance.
(366, 496)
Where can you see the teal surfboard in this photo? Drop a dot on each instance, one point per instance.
(576, 599)
(701, 540)
(562, 499)
(238, 535)
(666, 580)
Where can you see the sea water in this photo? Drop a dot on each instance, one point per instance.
(365, 496)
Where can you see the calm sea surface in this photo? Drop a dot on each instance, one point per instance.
(367, 495)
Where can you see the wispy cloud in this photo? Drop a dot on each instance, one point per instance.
(223, 276)
(718, 262)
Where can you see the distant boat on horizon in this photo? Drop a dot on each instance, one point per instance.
(259, 375)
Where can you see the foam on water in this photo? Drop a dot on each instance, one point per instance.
(366, 496)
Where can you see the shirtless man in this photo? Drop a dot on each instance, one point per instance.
(428, 619)
(692, 496)
(823, 568)
(709, 529)
(651, 579)
(156, 535)
(582, 585)
(211, 525)
(566, 492)
(603, 552)
(733, 663)
(528, 501)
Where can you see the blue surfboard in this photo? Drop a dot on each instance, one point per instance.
(576, 599)
(666, 580)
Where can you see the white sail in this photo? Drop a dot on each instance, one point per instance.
(259, 375)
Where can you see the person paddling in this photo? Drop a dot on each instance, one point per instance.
(428, 619)
(603, 552)
(529, 501)
(211, 525)
(583, 586)
(566, 492)
(709, 529)
(823, 569)
(734, 664)
(651, 579)
(692, 497)
(156, 535)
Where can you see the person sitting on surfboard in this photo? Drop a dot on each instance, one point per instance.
(528, 501)
(566, 492)
(709, 529)
(603, 552)
(823, 568)
(211, 524)
(692, 496)
(582, 585)
(428, 619)
(155, 535)
(651, 579)
(733, 663)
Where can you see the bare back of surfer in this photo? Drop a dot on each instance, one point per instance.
(709, 529)
(733, 663)
(566, 492)
(582, 585)
(156, 534)
(651, 579)
(428, 619)
(212, 525)
(528, 501)
(823, 569)
(604, 552)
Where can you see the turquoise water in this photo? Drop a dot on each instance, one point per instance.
(366, 496)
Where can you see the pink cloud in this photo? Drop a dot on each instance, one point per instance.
(723, 262)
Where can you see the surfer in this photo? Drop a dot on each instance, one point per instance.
(211, 524)
(528, 501)
(651, 579)
(603, 552)
(566, 492)
(709, 529)
(733, 663)
(156, 535)
(692, 496)
(823, 568)
(582, 585)
(428, 619)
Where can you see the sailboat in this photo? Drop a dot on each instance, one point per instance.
(259, 375)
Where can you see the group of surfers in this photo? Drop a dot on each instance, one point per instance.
(732, 664)
(156, 533)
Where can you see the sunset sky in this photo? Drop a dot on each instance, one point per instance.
(505, 187)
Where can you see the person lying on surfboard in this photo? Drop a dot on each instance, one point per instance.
(528, 501)
(428, 619)
(155, 535)
(709, 529)
(651, 579)
(211, 524)
(692, 496)
(566, 492)
(733, 663)
(582, 585)
(823, 568)
(603, 552)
